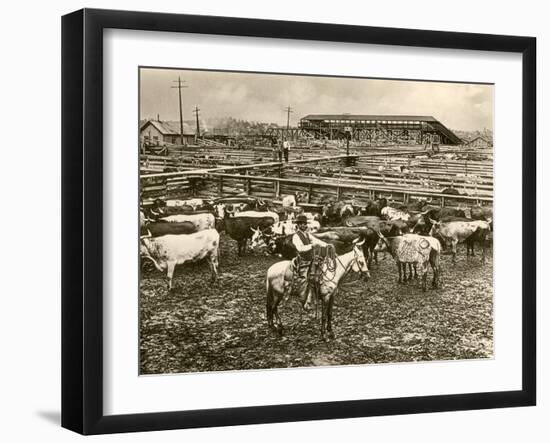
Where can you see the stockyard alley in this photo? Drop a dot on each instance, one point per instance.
(203, 326)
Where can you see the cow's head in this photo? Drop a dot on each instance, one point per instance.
(347, 211)
(382, 202)
(262, 239)
(326, 210)
(261, 205)
(421, 226)
(466, 209)
(240, 207)
(301, 197)
(436, 227)
(158, 205)
(384, 243)
(219, 210)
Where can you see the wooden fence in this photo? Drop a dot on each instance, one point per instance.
(322, 177)
(271, 188)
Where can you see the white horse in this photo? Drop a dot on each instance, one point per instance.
(279, 283)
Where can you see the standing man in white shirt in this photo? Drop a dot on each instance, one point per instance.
(286, 148)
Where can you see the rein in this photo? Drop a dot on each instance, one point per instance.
(347, 268)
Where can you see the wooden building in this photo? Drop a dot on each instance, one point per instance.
(480, 142)
(161, 133)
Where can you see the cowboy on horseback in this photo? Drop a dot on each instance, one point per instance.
(308, 261)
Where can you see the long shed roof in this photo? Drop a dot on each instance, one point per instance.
(426, 118)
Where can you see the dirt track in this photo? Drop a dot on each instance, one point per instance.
(214, 327)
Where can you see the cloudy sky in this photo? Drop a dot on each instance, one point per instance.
(264, 97)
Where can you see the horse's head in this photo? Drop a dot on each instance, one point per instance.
(359, 261)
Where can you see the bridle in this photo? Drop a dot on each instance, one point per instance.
(349, 267)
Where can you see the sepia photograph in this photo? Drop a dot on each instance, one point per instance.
(294, 221)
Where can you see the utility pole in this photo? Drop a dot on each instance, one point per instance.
(198, 131)
(179, 88)
(288, 111)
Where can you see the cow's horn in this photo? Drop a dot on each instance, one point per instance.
(148, 235)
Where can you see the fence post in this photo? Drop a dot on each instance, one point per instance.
(277, 188)
(220, 186)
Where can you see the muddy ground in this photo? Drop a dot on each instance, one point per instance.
(201, 326)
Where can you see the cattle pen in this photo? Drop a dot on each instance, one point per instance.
(203, 326)
(399, 174)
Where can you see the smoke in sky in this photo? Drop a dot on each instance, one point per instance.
(264, 97)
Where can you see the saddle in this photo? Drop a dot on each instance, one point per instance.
(306, 274)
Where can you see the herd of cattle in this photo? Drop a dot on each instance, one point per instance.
(173, 232)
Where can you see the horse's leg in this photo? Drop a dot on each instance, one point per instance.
(324, 310)
(330, 302)
(270, 300)
(415, 272)
(279, 327)
(399, 270)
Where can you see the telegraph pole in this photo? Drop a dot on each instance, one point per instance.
(179, 88)
(198, 131)
(288, 111)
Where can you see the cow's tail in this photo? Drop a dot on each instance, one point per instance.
(435, 262)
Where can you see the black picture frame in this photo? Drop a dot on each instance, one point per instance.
(82, 215)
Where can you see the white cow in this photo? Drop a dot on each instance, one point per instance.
(289, 227)
(289, 200)
(392, 214)
(200, 221)
(292, 200)
(170, 250)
